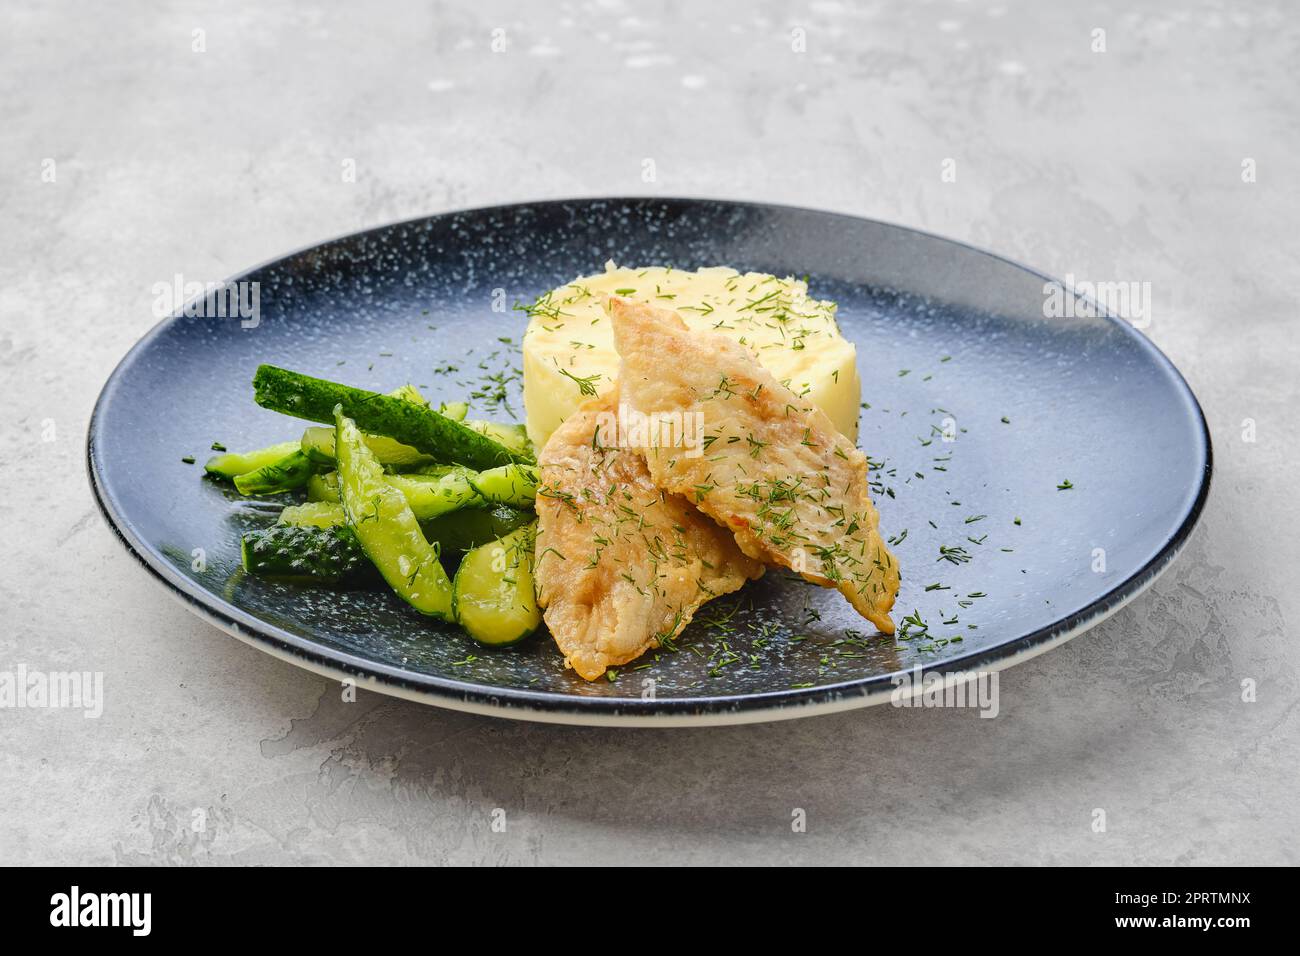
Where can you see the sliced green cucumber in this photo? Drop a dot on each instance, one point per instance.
(306, 555)
(290, 472)
(318, 441)
(514, 437)
(494, 596)
(514, 485)
(453, 530)
(387, 527)
(430, 496)
(434, 470)
(318, 444)
(470, 527)
(233, 464)
(314, 514)
(454, 410)
(323, 486)
(422, 428)
(409, 393)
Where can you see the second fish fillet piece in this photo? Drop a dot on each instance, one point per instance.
(770, 467)
(621, 566)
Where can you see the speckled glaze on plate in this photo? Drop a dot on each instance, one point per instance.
(948, 337)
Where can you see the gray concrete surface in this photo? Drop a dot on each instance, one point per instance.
(1123, 164)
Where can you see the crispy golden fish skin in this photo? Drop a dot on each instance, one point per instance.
(620, 565)
(772, 469)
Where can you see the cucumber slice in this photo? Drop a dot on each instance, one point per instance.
(318, 441)
(431, 496)
(428, 495)
(290, 472)
(387, 527)
(454, 410)
(318, 444)
(422, 428)
(409, 393)
(233, 464)
(453, 531)
(514, 485)
(434, 471)
(468, 528)
(432, 474)
(513, 437)
(494, 596)
(305, 555)
(323, 487)
(313, 514)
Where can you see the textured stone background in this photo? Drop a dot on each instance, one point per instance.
(1118, 165)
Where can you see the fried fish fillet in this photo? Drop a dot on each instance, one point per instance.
(772, 468)
(621, 566)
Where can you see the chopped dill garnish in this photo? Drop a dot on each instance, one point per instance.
(953, 555)
(586, 385)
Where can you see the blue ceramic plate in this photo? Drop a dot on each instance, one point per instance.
(950, 340)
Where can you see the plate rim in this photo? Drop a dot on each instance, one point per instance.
(552, 707)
